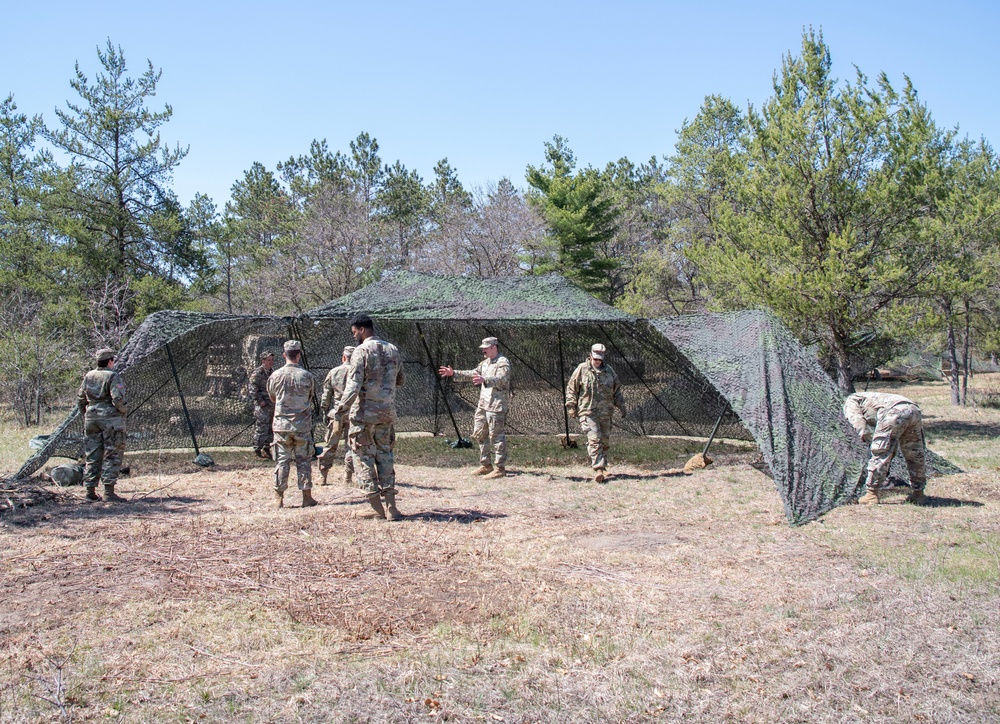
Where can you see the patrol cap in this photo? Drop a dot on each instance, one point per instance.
(348, 351)
(488, 342)
(293, 345)
(266, 353)
(105, 354)
(598, 351)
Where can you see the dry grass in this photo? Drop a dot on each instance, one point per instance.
(542, 597)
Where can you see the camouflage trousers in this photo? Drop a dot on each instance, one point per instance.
(336, 430)
(371, 446)
(262, 433)
(300, 447)
(488, 431)
(104, 447)
(598, 431)
(901, 425)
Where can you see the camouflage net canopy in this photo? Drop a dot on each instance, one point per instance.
(186, 374)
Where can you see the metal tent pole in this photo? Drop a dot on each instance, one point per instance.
(562, 375)
(715, 429)
(180, 393)
(460, 441)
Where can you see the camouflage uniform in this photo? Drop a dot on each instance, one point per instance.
(370, 394)
(337, 425)
(895, 419)
(292, 389)
(491, 412)
(590, 396)
(101, 399)
(263, 408)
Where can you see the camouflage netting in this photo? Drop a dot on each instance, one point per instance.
(186, 374)
(792, 407)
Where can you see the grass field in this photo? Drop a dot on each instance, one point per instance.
(543, 597)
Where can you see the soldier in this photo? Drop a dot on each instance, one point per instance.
(333, 390)
(884, 419)
(592, 391)
(263, 408)
(493, 373)
(292, 390)
(370, 396)
(101, 399)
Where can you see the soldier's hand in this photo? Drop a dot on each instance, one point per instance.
(446, 371)
(478, 379)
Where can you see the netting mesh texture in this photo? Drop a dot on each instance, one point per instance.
(186, 375)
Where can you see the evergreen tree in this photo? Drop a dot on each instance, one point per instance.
(828, 196)
(580, 214)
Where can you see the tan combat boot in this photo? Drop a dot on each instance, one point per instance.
(391, 513)
(869, 498)
(500, 472)
(375, 501)
(484, 469)
(600, 476)
(308, 500)
(280, 495)
(323, 473)
(92, 493)
(917, 497)
(110, 496)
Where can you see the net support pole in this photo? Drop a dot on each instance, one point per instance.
(180, 393)
(562, 376)
(715, 429)
(460, 441)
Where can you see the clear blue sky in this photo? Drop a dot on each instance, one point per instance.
(485, 84)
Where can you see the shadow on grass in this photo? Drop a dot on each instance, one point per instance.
(67, 507)
(450, 515)
(931, 501)
(952, 430)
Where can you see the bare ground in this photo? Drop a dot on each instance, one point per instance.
(543, 597)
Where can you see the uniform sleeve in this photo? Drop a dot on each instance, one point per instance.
(500, 379)
(573, 390)
(466, 374)
(118, 394)
(328, 393)
(354, 380)
(81, 399)
(856, 416)
(271, 394)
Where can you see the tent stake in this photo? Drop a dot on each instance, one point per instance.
(460, 441)
(180, 393)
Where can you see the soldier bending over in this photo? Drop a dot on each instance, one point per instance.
(885, 420)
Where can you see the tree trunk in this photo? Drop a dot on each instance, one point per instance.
(965, 353)
(845, 376)
(952, 357)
